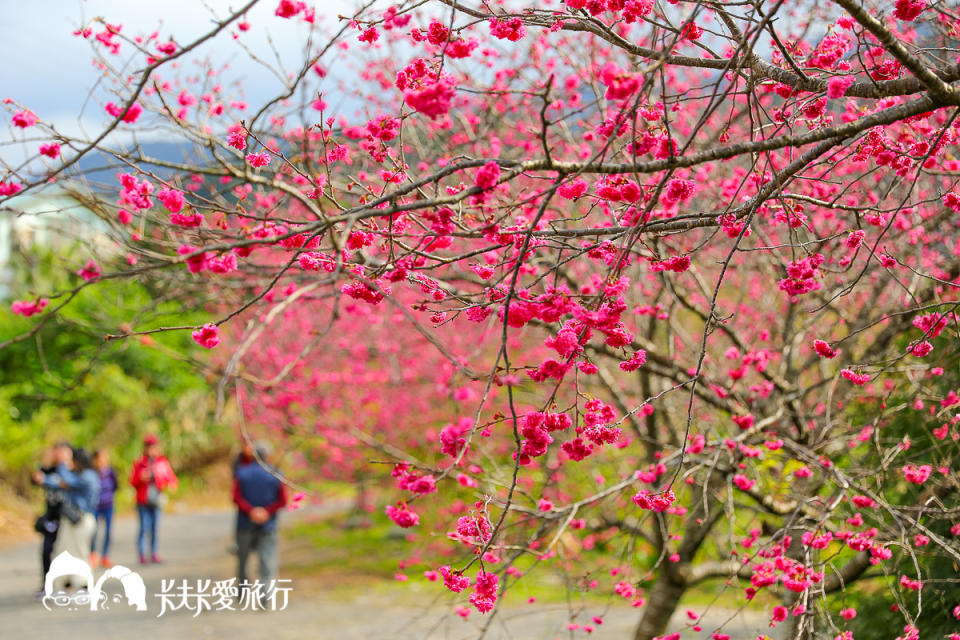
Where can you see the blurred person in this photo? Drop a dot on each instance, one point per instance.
(104, 511)
(75, 475)
(259, 494)
(49, 522)
(245, 457)
(151, 476)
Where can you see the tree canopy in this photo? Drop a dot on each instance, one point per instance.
(668, 288)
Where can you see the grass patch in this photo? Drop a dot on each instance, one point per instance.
(326, 554)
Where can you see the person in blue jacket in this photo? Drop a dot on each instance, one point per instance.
(259, 494)
(81, 485)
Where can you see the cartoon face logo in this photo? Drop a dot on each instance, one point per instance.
(67, 564)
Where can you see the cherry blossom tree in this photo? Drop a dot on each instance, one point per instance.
(669, 287)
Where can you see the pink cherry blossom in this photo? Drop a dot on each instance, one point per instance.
(27, 308)
(24, 119)
(207, 336)
(258, 160)
(90, 272)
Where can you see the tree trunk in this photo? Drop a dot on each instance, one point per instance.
(663, 599)
(671, 584)
(798, 627)
(359, 516)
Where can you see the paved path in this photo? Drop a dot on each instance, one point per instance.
(195, 546)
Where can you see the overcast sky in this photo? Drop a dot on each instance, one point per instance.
(49, 70)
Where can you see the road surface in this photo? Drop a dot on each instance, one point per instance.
(195, 547)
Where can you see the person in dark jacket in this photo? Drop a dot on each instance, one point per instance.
(104, 512)
(259, 494)
(245, 457)
(48, 523)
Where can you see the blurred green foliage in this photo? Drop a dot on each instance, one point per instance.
(67, 382)
(881, 601)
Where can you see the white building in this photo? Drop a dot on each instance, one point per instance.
(47, 218)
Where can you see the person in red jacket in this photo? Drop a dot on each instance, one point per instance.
(151, 476)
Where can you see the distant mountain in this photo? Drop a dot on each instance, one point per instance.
(102, 169)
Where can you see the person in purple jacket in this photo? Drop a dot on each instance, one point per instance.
(108, 487)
